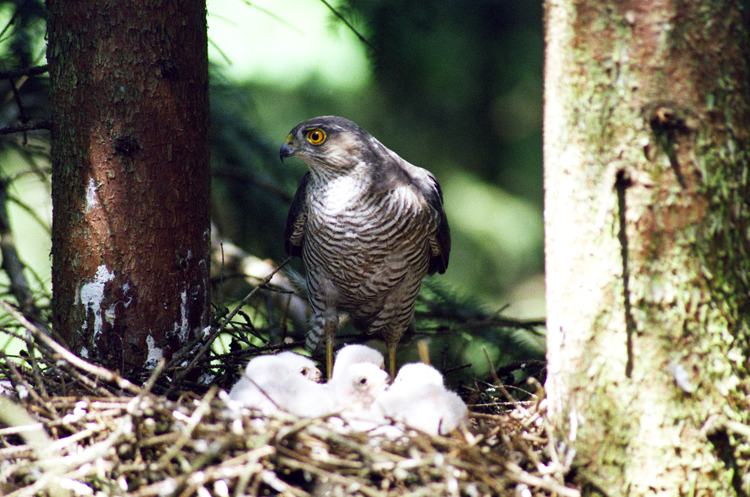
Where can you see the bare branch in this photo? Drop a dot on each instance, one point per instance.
(26, 127)
(221, 327)
(352, 28)
(25, 71)
(66, 355)
(12, 265)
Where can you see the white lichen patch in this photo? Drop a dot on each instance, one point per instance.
(91, 296)
(109, 314)
(206, 379)
(125, 290)
(92, 195)
(154, 354)
(184, 327)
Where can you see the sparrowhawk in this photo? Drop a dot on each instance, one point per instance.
(368, 225)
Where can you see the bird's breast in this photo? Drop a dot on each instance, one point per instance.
(352, 219)
(352, 236)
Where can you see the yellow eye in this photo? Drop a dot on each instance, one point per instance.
(316, 136)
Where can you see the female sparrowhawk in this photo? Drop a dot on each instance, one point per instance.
(368, 225)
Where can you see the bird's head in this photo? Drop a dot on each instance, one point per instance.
(354, 354)
(418, 373)
(302, 365)
(360, 384)
(328, 145)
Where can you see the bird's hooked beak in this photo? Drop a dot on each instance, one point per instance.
(287, 149)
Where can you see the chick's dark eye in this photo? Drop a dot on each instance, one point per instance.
(316, 136)
(363, 381)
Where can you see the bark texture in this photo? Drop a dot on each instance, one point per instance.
(646, 150)
(130, 191)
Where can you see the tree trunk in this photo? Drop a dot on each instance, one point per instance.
(646, 151)
(130, 191)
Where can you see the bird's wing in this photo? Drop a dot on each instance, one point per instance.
(440, 243)
(393, 170)
(294, 231)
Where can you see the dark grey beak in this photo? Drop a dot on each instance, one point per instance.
(286, 151)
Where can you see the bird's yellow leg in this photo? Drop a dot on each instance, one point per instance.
(330, 334)
(392, 359)
(424, 351)
(329, 358)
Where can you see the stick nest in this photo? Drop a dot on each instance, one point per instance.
(113, 437)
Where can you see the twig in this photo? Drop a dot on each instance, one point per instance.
(14, 415)
(58, 466)
(348, 25)
(12, 264)
(521, 476)
(26, 71)
(220, 328)
(152, 379)
(250, 295)
(187, 433)
(489, 321)
(44, 124)
(19, 378)
(493, 373)
(273, 16)
(335, 477)
(68, 356)
(86, 381)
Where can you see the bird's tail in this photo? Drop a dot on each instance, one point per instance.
(313, 341)
(315, 335)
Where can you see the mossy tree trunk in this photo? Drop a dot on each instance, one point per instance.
(130, 167)
(647, 160)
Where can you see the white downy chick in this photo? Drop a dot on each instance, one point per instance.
(354, 390)
(273, 383)
(356, 354)
(301, 364)
(357, 386)
(419, 399)
(254, 388)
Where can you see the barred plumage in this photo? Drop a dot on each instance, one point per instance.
(368, 225)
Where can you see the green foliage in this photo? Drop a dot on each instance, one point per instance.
(252, 191)
(457, 89)
(468, 74)
(22, 35)
(464, 332)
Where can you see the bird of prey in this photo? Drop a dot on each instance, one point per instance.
(368, 225)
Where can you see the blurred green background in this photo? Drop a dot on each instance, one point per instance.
(454, 86)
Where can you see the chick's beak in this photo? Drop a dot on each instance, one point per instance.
(287, 149)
